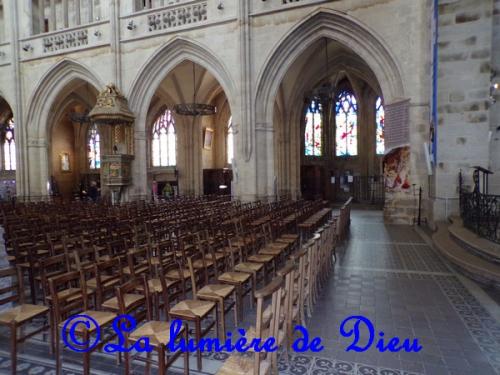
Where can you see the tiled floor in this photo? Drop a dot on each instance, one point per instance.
(386, 273)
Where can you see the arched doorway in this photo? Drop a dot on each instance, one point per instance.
(186, 154)
(356, 59)
(67, 87)
(75, 144)
(333, 114)
(166, 80)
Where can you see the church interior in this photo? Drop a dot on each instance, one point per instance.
(297, 187)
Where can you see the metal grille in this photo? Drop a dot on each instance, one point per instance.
(363, 189)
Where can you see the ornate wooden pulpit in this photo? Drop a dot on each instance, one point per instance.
(115, 122)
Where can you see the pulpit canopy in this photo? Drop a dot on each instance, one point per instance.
(111, 108)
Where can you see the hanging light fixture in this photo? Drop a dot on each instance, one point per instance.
(81, 118)
(194, 109)
(323, 93)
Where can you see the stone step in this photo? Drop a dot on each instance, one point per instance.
(471, 265)
(472, 242)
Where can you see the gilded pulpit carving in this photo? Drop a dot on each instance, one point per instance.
(113, 116)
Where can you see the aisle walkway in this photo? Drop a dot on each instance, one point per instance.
(390, 275)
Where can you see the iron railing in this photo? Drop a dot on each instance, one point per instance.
(363, 189)
(480, 212)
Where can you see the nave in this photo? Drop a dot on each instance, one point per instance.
(203, 261)
(387, 273)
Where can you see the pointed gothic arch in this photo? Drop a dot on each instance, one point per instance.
(159, 65)
(52, 85)
(346, 30)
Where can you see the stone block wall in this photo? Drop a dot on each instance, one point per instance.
(495, 108)
(464, 66)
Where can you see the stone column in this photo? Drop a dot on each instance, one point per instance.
(264, 155)
(38, 173)
(139, 188)
(464, 63)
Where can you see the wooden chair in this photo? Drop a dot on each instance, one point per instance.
(244, 282)
(195, 311)
(291, 311)
(310, 283)
(19, 315)
(158, 332)
(139, 261)
(277, 249)
(223, 294)
(50, 267)
(28, 256)
(300, 258)
(75, 301)
(261, 363)
(307, 281)
(164, 291)
(84, 259)
(108, 275)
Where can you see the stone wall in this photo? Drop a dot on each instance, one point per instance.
(464, 65)
(495, 108)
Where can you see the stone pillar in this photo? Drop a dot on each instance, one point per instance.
(495, 107)
(139, 189)
(399, 200)
(38, 174)
(264, 154)
(464, 63)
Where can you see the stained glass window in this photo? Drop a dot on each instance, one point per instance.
(9, 147)
(379, 135)
(94, 148)
(230, 141)
(314, 127)
(164, 141)
(346, 120)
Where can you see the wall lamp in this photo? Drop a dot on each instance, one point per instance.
(494, 86)
(131, 25)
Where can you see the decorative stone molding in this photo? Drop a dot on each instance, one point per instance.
(261, 7)
(39, 143)
(264, 127)
(180, 16)
(70, 39)
(65, 41)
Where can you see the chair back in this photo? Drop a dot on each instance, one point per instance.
(198, 275)
(69, 295)
(13, 291)
(140, 308)
(50, 267)
(272, 291)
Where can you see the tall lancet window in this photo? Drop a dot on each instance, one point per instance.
(313, 130)
(164, 141)
(9, 147)
(379, 135)
(346, 120)
(230, 141)
(94, 148)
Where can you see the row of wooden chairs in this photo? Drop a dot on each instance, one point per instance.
(232, 269)
(293, 292)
